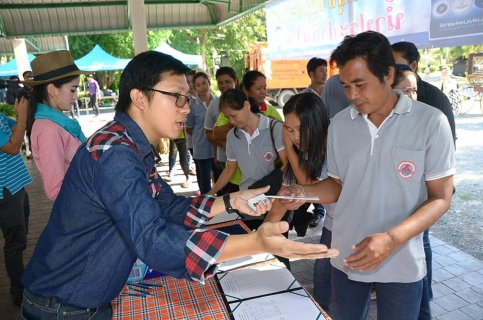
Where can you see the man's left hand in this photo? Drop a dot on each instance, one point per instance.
(371, 252)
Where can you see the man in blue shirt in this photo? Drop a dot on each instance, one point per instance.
(114, 207)
(14, 205)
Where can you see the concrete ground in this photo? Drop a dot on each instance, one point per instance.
(457, 276)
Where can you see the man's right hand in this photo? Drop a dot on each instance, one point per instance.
(269, 237)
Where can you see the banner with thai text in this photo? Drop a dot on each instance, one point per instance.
(300, 29)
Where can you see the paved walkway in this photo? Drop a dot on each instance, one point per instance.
(457, 276)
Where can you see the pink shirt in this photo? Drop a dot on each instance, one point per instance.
(53, 149)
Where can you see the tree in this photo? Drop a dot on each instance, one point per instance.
(120, 45)
(232, 40)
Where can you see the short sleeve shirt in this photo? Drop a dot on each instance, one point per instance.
(202, 148)
(255, 155)
(13, 172)
(210, 120)
(384, 178)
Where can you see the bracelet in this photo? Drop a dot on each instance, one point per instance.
(303, 191)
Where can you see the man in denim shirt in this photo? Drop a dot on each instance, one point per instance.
(113, 208)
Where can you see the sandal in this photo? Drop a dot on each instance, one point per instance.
(185, 184)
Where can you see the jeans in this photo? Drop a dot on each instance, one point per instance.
(35, 306)
(394, 300)
(322, 282)
(179, 145)
(425, 311)
(93, 103)
(204, 167)
(14, 212)
(319, 209)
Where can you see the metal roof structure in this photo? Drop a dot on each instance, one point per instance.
(37, 44)
(37, 18)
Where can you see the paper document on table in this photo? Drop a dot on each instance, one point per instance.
(244, 261)
(222, 217)
(292, 305)
(249, 283)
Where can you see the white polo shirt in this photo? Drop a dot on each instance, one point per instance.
(255, 154)
(384, 176)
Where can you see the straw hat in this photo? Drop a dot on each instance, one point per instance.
(53, 66)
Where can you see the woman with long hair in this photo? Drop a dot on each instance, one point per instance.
(305, 136)
(54, 137)
(249, 142)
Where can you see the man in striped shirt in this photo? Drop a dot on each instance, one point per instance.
(14, 204)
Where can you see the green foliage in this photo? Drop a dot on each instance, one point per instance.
(120, 45)
(231, 40)
(7, 109)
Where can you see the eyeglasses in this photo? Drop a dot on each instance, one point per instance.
(181, 99)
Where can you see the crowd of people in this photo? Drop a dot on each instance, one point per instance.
(375, 143)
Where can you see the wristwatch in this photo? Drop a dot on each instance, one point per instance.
(228, 207)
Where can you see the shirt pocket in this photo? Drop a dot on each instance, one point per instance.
(406, 166)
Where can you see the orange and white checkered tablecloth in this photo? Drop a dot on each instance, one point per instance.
(176, 299)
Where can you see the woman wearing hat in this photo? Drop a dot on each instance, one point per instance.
(54, 136)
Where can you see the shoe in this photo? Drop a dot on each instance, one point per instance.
(169, 177)
(373, 293)
(186, 184)
(29, 157)
(17, 301)
(315, 221)
(192, 172)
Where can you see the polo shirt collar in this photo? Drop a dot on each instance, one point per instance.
(137, 135)
(198, 99)
(263, 123)
(403, 105)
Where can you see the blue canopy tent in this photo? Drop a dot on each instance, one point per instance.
(10, 68)
(188, 59)
(100, 60)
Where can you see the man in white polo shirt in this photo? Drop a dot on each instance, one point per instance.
(392, 159)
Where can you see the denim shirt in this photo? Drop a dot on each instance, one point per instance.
(112, 208)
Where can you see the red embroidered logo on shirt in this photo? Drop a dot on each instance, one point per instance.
(406, 169)
(268, 156)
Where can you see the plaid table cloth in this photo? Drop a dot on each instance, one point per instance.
(177, 299)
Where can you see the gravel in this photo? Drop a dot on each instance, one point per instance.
(462, 225)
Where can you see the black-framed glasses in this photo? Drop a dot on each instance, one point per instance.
(181, 99)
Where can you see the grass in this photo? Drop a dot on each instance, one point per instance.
(467, 196)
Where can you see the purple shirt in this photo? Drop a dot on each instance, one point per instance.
(93, 87)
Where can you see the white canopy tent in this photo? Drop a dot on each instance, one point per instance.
(188, 59)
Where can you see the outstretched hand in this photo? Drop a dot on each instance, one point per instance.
(269, 237)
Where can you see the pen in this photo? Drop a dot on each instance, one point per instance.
(133, 294)
(139, 290)
(151, 284)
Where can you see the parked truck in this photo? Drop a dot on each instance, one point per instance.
(284, 77)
